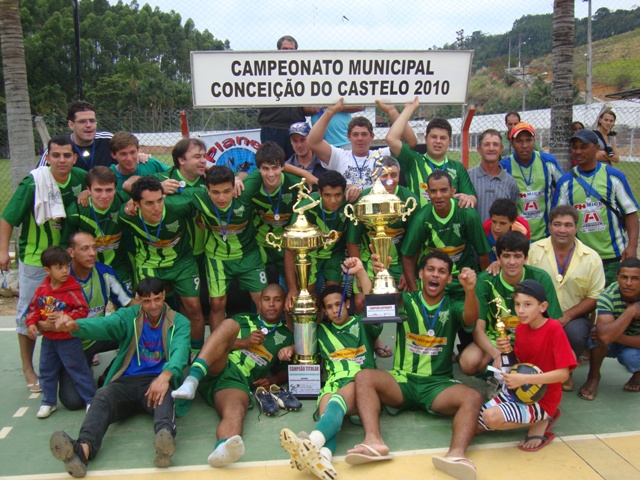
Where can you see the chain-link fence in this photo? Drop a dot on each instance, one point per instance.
(504, 35)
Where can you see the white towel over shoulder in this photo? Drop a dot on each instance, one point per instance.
(47, 203)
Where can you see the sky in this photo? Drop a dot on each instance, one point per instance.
(359, 24)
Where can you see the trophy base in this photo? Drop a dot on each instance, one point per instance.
(381, 308)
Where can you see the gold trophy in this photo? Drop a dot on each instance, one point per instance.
(378, 209)
(301, 238)
(508, 359)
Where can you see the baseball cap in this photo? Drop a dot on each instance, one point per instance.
(532, 288)
(301, 128)
(521, 127)
(585, 136)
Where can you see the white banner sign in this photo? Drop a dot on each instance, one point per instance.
(306, 77)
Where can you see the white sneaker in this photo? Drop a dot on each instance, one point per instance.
(45, 410)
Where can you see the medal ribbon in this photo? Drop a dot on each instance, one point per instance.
(431, 321)
(566, 262)
(144, 225)
(93, 151)
(264, 326)
(224, 229)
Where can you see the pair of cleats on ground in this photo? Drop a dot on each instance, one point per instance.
(270, 401)
(306, 456)
(70, 451)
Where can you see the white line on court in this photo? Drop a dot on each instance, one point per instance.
(4, 432)
(21, 411)
(34, 395)
(5, 329)
(195, 468)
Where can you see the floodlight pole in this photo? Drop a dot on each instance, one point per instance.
(76, 28)
(589, 93)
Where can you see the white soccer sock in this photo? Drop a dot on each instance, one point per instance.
(326, 453)
(187, 390)
(227, 452)
(317, 437)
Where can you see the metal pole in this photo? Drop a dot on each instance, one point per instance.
(524, 89)
(76, 28)
(589, 94)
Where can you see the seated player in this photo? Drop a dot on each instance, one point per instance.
(346, 346)
(225, 372)
(327, 215)
(422, 377)
(617, 329)
(512, 249)
(543, 343)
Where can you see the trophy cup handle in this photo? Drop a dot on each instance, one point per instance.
(351, 216)
(274, 241)
(330, 238)
(408, 209)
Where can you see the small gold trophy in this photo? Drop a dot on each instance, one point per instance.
(378, 209)
(301, 238)
(508, 359)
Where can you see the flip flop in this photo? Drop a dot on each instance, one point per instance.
(34, 387)
(590, 396)
(384, 352)
(547, 438)
(458, 467)
(552, 421)
(362, 458)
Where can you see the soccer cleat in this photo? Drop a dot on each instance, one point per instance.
(267, 404)
(45, 410)
(291, 444)
(284, 398)
(69, 451)
(165, 446)
(315, 461)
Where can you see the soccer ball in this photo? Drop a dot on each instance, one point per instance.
(529, 393)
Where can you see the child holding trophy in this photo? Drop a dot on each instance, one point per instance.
(543, 345)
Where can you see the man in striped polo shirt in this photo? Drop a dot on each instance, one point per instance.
(604, 201)
(617, 329)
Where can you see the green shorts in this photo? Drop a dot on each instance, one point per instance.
(249, 271)
(331, 268)
(419, 392)
(331, 386)
(271, 256)
(231, 377)
(182, 277)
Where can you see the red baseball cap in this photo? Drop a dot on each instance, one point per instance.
(521, 127)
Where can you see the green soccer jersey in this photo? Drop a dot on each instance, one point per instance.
(610, 302)
(456, 236)
(425, 341)
(167, 242)
(348, 348)
(196, 233)
(536, 185)
(35, 239)
(104, 225)
(273, 211)
(363, 234)
(489, 287)
(152, 167)
(418, 167)
(326, 221)
(598, 226)
(230, 231)
(257, 361)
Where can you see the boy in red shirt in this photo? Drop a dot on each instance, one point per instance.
(58, 293)
(542, 342)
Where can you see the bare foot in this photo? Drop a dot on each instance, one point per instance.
(589, 390)
(633, 385)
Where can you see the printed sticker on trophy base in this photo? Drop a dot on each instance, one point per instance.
(381, 308)
(304, 380)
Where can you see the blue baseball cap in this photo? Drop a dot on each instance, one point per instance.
(301, 128)
(585, 136)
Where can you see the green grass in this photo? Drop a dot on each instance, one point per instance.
(5, 179)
